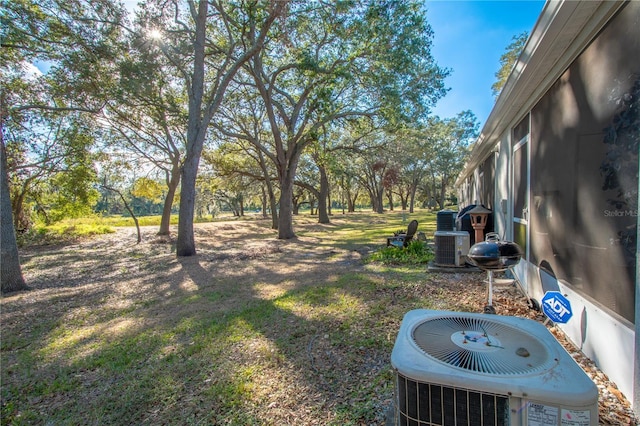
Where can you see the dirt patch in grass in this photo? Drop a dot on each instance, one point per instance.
(251, 331)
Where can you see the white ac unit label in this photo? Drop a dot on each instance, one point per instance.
(547, 415)
(576, 417)
(542, 415)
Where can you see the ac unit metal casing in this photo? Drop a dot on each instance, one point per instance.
(451, 248)
(457, 368)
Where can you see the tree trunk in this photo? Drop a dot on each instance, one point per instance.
(11, 278)
(434, 190)
(351, 205)
(376, 200)
(196, 129)
(285, 222)
(185, 243)
(403, 203)
(172, 185)
(351, 201)
(17, 207)
(135, 219)
(263, 201)
(126, 206)
(379, 204)
(443, 192)
(412, 195)
(274, 210)
(323, 216)
(270, 193)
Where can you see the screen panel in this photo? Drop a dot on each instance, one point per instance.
(584, 170)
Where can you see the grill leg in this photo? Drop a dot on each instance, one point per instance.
(531, 303)
(489, 309)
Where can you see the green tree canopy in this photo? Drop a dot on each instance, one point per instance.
(334, 62)
(508, 61)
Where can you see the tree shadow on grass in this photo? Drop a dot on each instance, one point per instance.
(251, 333)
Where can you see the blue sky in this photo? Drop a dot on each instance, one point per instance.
(469, 38)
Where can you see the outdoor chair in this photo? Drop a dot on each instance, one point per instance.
(401, 239)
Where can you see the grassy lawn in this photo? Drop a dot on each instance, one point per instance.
(252, 331)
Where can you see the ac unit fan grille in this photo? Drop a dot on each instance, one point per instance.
(446, 251)
(481, 345)
(427, 404)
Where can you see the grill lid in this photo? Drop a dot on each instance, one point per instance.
(495, 254)
(482, 345)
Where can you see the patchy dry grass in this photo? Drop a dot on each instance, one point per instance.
(251, 331)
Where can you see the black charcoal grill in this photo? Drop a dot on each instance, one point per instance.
(494, 255)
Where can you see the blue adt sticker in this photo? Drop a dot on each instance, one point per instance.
(556, 307)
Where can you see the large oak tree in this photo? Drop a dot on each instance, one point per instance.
(338, 61)
(207, 42)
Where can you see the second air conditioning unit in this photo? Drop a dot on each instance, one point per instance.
(451, 248)
(457, 368)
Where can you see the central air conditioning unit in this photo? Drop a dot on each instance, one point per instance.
(451, 248)
(456, 368)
